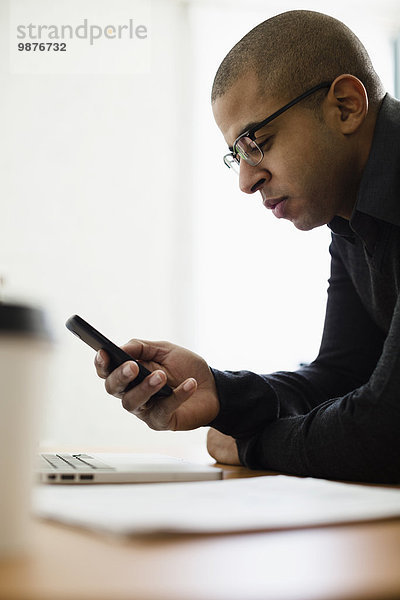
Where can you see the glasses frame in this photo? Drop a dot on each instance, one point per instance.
(234, 157)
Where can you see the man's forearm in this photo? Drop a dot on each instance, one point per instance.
(334, 441)
(354, 437)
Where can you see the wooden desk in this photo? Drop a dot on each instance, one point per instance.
(340, 562)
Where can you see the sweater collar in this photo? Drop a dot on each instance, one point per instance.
(378, 197)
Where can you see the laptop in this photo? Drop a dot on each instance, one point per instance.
(64, 468)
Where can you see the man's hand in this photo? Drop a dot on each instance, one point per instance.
(194, 401)
(222, 447)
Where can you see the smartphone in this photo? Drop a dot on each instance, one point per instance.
(98, 341)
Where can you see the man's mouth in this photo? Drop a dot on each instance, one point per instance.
(276, 205)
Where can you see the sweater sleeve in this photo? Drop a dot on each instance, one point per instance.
(327, 419)
(354, 437)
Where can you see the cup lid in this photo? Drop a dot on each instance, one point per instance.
(22, 319)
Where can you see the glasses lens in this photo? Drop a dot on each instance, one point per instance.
(248, 150)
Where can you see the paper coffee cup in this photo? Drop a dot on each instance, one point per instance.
(24, 357)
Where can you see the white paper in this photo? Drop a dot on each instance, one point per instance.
(251, 504)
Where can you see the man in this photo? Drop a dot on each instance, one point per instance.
(308, 126)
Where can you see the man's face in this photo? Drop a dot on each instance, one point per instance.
(307, 174)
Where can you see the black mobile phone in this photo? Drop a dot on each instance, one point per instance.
(98, 341)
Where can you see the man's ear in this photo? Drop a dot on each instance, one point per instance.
(346, 105)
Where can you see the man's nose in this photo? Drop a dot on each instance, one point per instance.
(251, 179)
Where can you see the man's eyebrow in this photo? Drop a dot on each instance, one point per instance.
(250, 126)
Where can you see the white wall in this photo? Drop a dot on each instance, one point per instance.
(93, 225)
(159, 247)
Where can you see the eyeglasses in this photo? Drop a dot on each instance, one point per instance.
(245, 146)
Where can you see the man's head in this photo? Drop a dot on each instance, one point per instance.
(313, 153)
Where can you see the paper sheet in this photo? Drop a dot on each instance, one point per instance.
(252, 504)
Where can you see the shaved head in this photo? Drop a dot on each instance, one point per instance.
(294, 51)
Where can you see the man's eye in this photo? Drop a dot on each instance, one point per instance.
(262, 144)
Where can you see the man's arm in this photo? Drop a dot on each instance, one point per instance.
(354, 437)
(283, 420)
(350, 349)
(339, 417)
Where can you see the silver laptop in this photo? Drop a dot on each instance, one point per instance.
(120, 468)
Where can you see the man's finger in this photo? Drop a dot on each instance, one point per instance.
(101, 362)
(136, 398)
(160, 413)
(118, 379)
(147, 351)
(165, 414)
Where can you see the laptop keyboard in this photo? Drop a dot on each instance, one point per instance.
(71, 462)
(67, 468)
